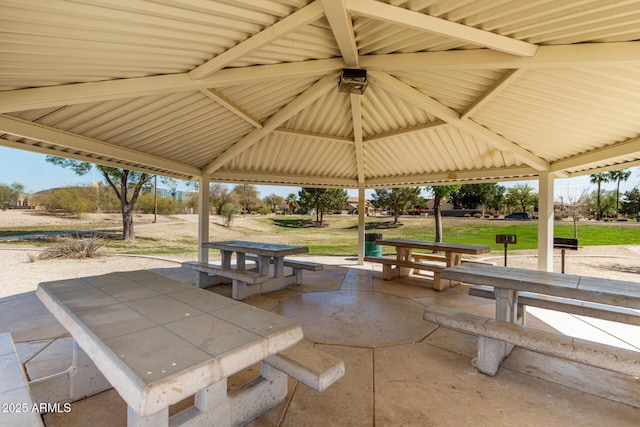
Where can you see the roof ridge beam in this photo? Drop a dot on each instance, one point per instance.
(321, 87)
(80, 93)
(342, 28)
(582, 55)
(630, 147)
(25, 129)
(422, 22)
(304, 16)
(452, 117)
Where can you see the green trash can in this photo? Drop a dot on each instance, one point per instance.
(370, 247)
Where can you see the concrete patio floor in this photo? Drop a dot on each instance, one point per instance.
(400, 370)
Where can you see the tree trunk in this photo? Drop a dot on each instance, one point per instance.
(127, 223)
(618, 199)
(436, 211)
(598, 211)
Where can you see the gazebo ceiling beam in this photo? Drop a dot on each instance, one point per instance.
(313, 135)
(612, 153)
(302, 17)
(97, 160)
(450, 116)
(500, 85)
(79, 93)
(231, 106)
(584, 55)
(342, 28)
(474, 176)
(282, 179)
(356, 115)
(404, 131)
(25, 129)
(421, 22)
(310, 95)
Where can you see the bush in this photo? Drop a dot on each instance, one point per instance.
(75, 248)
(263, 211)
(73, 200)
(467, 215)
(166, 205)
(477, 215)
(227, 211)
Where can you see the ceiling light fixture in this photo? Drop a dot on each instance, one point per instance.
(353, 81)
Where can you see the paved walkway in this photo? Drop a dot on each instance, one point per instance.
(401, 370)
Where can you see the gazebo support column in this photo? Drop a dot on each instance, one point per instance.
(361, 212)
(203, 224)
(545, 221)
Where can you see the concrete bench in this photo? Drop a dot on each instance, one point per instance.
(566, 305)
(296, 265)
(313, 368)
(244, 283)
(491, 331)
(391, 266)
(442, 258)
(16, 403)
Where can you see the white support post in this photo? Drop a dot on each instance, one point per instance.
(545, 221)
(203, 218)
(203, 229)
(361, 212)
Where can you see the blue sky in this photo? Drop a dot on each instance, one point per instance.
(32, 171)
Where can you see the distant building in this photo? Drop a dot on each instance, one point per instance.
(352, 207)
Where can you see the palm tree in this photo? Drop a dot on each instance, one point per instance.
(618, 176)
(292, 202)
(598, 178)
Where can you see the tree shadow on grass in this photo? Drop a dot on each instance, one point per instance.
(387, 225)
(297, 223)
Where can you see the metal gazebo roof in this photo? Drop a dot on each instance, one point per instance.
(247, 90)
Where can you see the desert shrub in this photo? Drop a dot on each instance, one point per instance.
(166, 205)
(75, 248)
(227, 211)
(263, 210)
(72, 200)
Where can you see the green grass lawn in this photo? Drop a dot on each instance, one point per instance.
(338, 234)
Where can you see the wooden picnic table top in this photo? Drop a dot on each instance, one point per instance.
(436, 246)
(158, 341)
(258, 248)
(604, 291)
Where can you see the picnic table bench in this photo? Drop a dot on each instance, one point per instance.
(17, 405)
(608, 299)
(267, 276)
(406, 261)
(158, 341)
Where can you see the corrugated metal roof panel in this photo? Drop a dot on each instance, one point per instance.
(560, 112)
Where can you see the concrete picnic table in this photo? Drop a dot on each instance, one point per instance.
(158, 341)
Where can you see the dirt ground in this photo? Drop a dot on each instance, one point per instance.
(21, 274)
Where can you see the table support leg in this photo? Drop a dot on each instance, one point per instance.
(404, 254)
(159, 419)
(491, 352)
